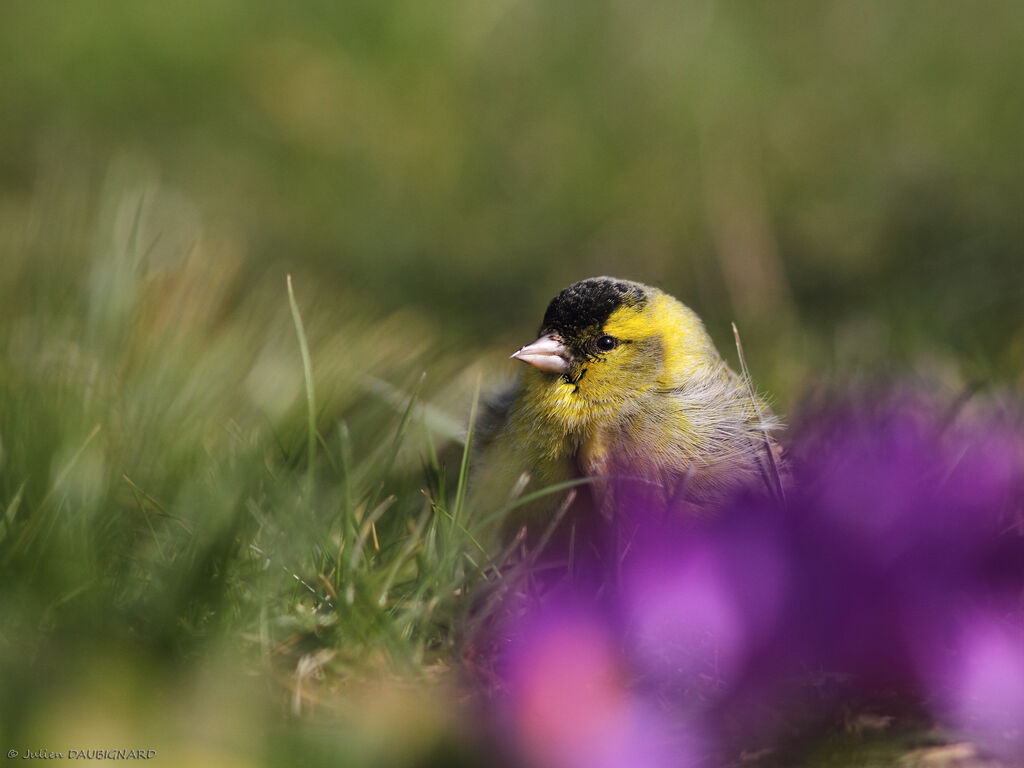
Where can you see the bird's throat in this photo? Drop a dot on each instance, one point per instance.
(561, 419)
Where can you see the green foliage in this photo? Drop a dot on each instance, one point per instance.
(842, 183)
(171, 490)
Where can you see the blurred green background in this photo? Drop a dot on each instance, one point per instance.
(843, 180)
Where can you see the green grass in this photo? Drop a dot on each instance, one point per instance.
(178, 502)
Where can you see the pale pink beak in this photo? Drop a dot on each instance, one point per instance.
(547, 354)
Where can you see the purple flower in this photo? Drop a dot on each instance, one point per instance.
(696, 601)
(570, 702)
(980, 687)
(895, 570)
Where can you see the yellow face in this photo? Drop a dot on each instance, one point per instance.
(619, 360)
(610, 367)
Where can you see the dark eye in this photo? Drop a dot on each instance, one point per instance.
(606, 343)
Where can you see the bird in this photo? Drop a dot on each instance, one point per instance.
(624, 385)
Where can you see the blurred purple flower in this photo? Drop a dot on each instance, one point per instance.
(884, 574)
(570, 703)
(978, 682)
(696, 601)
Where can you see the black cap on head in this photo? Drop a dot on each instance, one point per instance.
(589, 303)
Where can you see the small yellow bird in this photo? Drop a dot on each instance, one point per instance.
(625, 383)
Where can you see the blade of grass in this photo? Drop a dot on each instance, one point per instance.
(467, 451)
(368, 527)
(348, 522)
(521, 571)
(156, 504)
(12, 509)
(307, 373)
(149, 523)
(437, 420)
(31, 528)
(396, 443)
(402, 558)
(745, 372)
(433, 465)
(534, 496)
(460, 528)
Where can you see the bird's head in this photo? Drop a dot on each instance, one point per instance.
(605, 343)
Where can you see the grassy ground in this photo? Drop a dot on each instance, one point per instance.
(196, 503)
